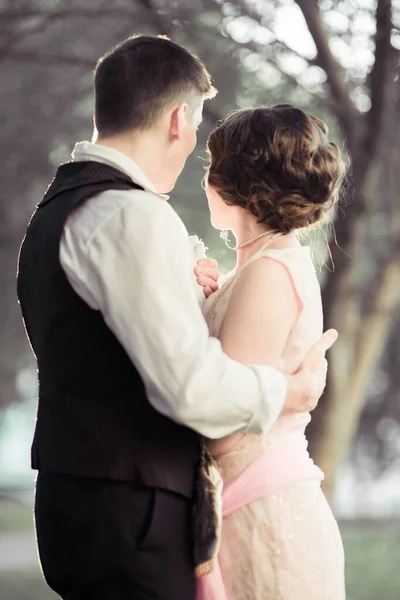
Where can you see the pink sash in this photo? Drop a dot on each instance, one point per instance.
(266, 475)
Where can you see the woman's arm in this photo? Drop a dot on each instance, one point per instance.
(261, 314)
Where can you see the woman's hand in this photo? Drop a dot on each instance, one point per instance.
(207, 274)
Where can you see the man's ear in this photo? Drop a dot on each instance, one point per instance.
(95, 132)
(178, 115)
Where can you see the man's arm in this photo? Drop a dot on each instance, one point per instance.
(136, 269)
(307, 385)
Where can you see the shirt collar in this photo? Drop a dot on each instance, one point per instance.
(108, 156)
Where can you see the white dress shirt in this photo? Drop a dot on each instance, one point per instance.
(127, 254)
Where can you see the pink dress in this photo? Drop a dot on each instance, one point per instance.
(280, 540)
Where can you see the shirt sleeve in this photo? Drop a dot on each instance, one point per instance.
(136, 268)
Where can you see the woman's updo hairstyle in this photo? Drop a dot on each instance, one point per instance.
(278, 163)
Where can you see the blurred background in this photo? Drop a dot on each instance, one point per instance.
(339, 59)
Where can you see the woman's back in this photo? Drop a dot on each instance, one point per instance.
(235, 453)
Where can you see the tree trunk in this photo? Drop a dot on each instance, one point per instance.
(352, 360)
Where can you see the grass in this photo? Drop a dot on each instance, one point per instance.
(25, 585)
(372, 560)
(372, 564)
(15, 518)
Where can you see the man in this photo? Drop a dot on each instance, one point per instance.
(127, 373)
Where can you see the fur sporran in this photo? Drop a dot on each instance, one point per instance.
(207, 513)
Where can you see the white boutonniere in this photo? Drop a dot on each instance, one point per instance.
(199, 251)
(198, 247)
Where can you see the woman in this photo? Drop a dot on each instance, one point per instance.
(272, 173)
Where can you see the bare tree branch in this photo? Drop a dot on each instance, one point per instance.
(164, 25)
(328, 453)
(159, 21)
(247, 11)
(14, 36)
(378, 79)
(255, 48)
(347, 111)
(161, 24)
(77, 13)
(50, 59)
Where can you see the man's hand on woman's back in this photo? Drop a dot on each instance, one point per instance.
(306, 386)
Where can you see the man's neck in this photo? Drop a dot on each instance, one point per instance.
(142, 150)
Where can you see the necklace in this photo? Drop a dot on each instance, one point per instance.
(224, 235)
(258, 237)
(228, 284)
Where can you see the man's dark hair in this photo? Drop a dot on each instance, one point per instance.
(140, 78)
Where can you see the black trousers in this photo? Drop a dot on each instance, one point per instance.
(104, 540)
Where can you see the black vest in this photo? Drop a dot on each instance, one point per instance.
(94, 418)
